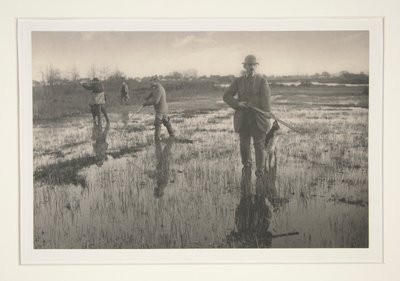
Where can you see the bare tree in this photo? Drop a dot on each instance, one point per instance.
(92, 71)
(117, 75)
(190, 73)
(325, 74)
(104, 73)
(74, 74)
(176, 75)
(50, 77)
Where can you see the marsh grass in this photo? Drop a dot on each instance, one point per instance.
(323, 175)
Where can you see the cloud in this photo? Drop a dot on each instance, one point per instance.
(140, 54)
(190, 40)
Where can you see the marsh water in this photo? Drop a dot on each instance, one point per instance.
(112, 186)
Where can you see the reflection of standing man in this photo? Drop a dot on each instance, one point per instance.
(163, 161)
(124, 93)
(252, 91)
(158, 98)
(252, 221)
(100, 144)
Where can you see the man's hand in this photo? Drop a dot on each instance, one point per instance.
(243, 105)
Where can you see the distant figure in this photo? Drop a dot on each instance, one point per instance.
(100, 144)
(158, 99)
(163, 161)
(253, 98)
(98, 101)
(124, 93)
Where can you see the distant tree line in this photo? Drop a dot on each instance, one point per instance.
(53, 81)
(343, 77)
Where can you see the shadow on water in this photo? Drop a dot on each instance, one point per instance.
(163, 157)
(67, 172)
(64, 172)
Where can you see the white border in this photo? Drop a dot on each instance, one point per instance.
(374, 254)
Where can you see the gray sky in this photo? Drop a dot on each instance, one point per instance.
(140, 54)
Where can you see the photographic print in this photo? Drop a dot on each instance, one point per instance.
(210, 138)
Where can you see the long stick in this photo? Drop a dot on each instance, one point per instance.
(285, 234)
(286, 124)
(137, 111)
(271, 115)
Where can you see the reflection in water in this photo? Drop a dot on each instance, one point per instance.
(162, 169)
(252, 219)
(67, 172)
(268, 188)
(253, 215)
(100, 143)
(125, 117)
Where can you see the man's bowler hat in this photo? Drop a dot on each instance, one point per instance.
(250, 59)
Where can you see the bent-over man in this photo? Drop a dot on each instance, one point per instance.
(158, 98)
(98, 101)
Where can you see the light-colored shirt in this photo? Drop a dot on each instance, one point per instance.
(158, 98)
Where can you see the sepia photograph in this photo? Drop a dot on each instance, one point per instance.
(200, 139)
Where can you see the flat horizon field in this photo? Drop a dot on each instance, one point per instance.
(114, 188)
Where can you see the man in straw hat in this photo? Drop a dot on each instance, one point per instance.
(252, 92)
(158, 99)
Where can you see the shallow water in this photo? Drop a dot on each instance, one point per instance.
(116, 188)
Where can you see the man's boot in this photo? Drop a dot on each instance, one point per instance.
(105, 114)
(168, 125)
(157, 131)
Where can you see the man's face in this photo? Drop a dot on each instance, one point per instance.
(250, 68)
(153, 82)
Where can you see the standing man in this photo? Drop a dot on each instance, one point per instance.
(98, 101)
(124, 93)
(158, 99)
(252, 105)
